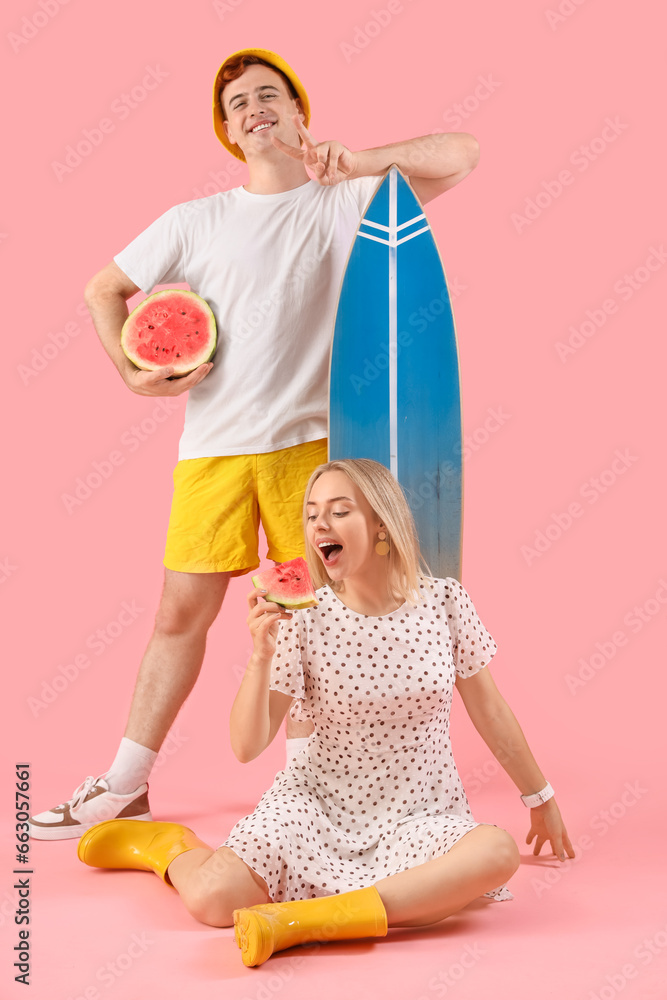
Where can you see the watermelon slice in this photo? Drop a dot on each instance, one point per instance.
(288, 585)
(171, 327)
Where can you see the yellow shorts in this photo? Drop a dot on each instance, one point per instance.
(219, 502)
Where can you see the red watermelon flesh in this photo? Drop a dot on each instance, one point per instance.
(288, 585)
(172, 327)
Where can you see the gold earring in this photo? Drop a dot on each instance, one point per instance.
(382, 547)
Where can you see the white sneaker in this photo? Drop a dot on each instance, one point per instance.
(91, 803)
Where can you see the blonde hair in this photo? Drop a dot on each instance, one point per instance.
(387, 500)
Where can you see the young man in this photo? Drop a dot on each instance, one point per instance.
(268, 257)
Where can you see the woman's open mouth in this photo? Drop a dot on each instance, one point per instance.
(330, 551)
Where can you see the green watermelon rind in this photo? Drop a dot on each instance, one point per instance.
(260, 581)
(179, 370)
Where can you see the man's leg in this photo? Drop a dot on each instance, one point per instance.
(189, 605)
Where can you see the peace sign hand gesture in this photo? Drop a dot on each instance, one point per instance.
(330, 161)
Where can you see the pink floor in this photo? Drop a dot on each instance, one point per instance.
(585, 930)
(590, 929)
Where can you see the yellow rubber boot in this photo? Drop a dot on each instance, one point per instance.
(132, 843)
(262, 930)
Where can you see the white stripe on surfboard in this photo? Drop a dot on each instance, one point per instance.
(403, 225)
(376, 239)
(397, 243)
(412, 235)
(393, 324)
(393, 242)
(375, 225)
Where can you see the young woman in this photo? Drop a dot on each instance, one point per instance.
(368, 826)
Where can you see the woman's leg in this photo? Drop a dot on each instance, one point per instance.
(479, 862)
(212, 884)
(482, 860)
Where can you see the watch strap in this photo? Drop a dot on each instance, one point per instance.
(538, 798)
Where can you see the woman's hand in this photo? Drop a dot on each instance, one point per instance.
(257, 711)
(546, 823)
(263, 624)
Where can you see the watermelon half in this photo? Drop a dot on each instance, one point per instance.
(288, 585)
(171, 327)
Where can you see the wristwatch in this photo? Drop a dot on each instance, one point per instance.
(539, 798)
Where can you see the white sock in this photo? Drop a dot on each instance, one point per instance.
(131, 767)
(294, 746)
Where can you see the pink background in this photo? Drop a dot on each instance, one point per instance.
(535, 87)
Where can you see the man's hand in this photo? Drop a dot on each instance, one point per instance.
(546, 823)
(157, 383)
(330, 162)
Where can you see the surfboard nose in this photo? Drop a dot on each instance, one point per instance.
(394, 379)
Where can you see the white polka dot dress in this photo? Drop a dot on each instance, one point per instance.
(376, 790)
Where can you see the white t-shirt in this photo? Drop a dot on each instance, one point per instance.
(270, 267)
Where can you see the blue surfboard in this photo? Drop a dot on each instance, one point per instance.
(394, 380)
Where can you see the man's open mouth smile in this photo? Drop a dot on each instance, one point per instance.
(261, 126)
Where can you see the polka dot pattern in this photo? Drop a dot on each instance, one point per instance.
(375, 790)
